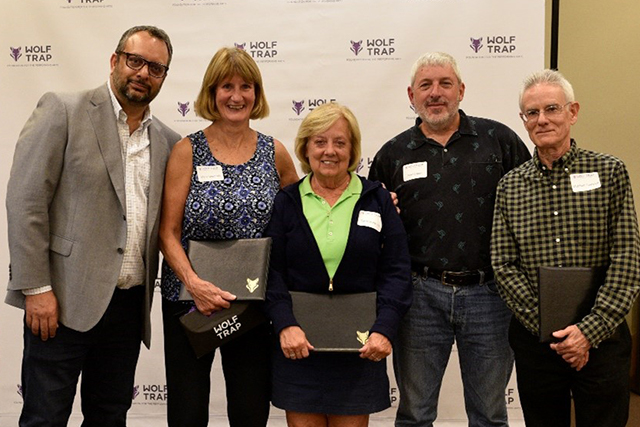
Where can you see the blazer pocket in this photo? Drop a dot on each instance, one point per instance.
(60, 245)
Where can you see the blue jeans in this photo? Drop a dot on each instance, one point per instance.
(478, 320)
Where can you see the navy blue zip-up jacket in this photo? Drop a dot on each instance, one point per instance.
(372, 261)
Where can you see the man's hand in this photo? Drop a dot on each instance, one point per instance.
(394, 197)
(574, 347)
(42, 314)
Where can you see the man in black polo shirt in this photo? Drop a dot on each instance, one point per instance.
(445, 170)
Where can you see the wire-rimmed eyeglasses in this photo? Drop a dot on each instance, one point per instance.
(532, 116)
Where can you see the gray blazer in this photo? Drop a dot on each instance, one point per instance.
(66, 206)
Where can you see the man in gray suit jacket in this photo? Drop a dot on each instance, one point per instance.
(83, 207)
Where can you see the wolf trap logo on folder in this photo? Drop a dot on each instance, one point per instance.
(237, 266)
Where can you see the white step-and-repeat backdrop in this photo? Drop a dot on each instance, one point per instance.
(357, 52)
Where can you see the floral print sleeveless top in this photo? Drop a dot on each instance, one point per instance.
(238, 206)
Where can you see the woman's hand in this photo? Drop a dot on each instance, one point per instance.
(207, 296)
(377, 347)
(294, 344)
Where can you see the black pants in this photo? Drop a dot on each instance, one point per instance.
(106, 356)
(546, 383)
(246, 368)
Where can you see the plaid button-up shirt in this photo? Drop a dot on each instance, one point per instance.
(542, 218)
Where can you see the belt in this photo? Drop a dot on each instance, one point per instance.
(455, 278)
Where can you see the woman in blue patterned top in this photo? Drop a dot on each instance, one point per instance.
(220, 184)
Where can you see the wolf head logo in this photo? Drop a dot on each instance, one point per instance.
(476, 44)
(356, 47)
(183, 108)
(252, 285)
(298, 106)
(16, 53)
(363, 337)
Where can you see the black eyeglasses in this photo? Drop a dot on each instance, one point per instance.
(136, 62)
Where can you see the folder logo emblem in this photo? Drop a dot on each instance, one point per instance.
(252, 285)
(362, 336)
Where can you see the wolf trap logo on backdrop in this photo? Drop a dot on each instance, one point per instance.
(185, 112)
(512, 398)
(183, 108)
(85, 4)
(383, 49)
(501, 46)
(261, 50)
(31, 56)
(308, 104)
(298, 106)
(149, 394)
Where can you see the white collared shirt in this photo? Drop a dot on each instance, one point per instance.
(136, 162)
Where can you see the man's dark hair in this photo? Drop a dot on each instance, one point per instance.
(154, 31)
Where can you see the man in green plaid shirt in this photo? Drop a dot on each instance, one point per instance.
(567, 207)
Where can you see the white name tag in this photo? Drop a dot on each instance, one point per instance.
(209, 173)
(585, 181)
(414, 171)
(370, 219)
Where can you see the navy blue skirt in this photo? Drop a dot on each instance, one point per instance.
(329, 383)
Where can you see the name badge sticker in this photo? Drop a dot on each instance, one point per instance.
(585, 181)
(209, 173)
(370, 219)
(414, 171)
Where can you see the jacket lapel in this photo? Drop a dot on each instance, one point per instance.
(106, 131)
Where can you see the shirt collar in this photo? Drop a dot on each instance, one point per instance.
(563, 163)
(466, 127)
(120, 113)
(354, 187)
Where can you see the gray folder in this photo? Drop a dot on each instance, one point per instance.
(566, 295)
(238, 266)
(335, 322)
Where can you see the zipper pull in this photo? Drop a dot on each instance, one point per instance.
(331, 285)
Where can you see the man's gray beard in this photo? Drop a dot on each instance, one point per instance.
(439, 123)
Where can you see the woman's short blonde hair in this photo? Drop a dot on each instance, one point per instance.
(226, 63)
(319, 120)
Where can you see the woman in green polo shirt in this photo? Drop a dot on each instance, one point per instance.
(334, 232)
